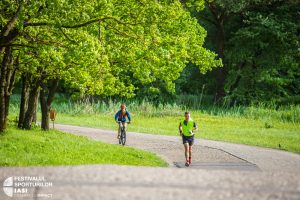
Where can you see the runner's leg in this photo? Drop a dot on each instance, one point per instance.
(190, 153)
(186, 151)
(119, 130)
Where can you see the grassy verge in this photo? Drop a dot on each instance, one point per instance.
(257, 132)
(260, 125)
(39, 148)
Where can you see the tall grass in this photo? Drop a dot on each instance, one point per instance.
(143, 108)
(266, 112)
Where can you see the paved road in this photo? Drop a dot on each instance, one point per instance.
(219, 171)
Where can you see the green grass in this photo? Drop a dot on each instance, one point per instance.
(40, 148)
(263, 125)
(264, 133)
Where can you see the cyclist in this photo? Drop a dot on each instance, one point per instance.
(121, 117)
(187, 127)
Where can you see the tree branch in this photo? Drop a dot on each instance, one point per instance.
(79, 25)
(66, 35)
(41, 41)
(122, 33)
(17, 45)
(11, 23)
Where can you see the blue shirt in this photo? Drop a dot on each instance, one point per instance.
(122, 116)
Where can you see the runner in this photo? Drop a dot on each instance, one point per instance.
(187, 127)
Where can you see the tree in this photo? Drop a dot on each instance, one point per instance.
(99, 47)
(7, 76)
(266, 66)
(240, 32)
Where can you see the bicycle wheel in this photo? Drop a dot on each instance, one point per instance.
(120, 141)
(120, 138)
(123, 137)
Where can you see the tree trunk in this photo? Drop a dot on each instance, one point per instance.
(34, 118)
(4, 87)
(24, 100)
(10, 81)
(32, 101)
(46, 98)
(45, 109)
(219, 18)
(3, 73)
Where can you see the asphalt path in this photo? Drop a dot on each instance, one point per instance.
(219, 170)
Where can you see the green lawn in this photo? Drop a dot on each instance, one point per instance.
(40, 148)
(265, 133)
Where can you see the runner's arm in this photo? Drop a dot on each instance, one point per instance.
(180, 129)
(195, 128)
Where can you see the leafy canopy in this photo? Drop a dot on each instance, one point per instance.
(107, 47)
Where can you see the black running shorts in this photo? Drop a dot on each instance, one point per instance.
(188, 139)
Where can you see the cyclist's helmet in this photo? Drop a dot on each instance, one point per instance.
(123, 106)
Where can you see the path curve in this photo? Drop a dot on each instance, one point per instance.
(220, 170)
(205, 151)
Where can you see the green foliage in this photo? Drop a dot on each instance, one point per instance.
(265, 53)
(108, 48)
(261, 50)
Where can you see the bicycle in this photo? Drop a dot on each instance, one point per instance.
(122, 139)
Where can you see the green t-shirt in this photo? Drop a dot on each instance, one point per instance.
(187, 127)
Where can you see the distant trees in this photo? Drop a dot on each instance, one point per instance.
(258, 41)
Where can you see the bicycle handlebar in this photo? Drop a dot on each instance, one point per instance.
(119, 122)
